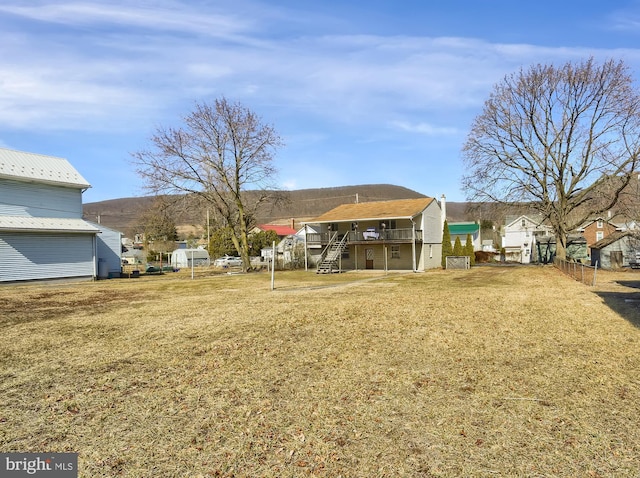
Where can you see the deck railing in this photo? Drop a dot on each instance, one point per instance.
(391, 235)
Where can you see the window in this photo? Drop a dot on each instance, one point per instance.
(524, 223)
(599, 235)
(395, 252)
(599, 224)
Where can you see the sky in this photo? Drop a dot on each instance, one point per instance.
(361, 92)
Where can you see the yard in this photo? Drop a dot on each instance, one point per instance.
(494, 371)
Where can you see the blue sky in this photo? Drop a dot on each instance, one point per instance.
(361, 92)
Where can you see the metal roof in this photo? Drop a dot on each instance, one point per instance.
(280, 230)
(398, 209)
(46, 224)
(463, 228)
(22, 166)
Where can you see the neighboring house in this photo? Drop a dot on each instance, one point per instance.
(617, 250)
(281, 231)
(462, 229)
(290, 250)
(520, 235)
(109, 252)
(597, 229)
(133, 256)
(42, 233)
(404, 234)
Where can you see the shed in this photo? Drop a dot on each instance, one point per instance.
(184, 258)
(616, 250)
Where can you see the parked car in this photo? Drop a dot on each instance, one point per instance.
(227, 261)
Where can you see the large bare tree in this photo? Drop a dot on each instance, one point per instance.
(564, 139)
(222, 151)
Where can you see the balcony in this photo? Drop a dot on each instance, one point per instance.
(388, 236)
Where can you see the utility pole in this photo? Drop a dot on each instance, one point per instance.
(208, 238)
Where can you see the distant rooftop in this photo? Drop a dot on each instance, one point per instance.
(460, 228)
(280, 230)
(32, 167)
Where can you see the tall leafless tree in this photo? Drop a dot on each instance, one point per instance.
(564, 139)
(222, 150)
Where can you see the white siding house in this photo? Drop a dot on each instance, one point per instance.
(42, 233)
(520, 236)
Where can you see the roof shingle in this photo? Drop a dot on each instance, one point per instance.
(401, 208)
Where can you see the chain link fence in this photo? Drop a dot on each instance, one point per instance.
(580, 272)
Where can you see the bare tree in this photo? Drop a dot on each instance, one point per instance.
(222, 150)
(160, 232)
(564, 139)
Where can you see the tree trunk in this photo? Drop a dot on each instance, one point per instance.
(561, 246)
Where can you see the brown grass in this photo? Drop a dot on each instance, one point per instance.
(496, 371)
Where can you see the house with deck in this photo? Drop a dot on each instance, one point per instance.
(403, 234)
(42, 233)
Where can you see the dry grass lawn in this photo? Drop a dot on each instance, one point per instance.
(496, 371)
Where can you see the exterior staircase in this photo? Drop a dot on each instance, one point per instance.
(331, 255)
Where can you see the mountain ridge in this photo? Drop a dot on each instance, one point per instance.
(125, 214)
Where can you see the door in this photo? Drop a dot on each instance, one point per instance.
(369, 258)
(616, 259)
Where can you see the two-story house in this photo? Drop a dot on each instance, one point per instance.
(403, 234)
(42, 233)
(520, 237)
(597, 229)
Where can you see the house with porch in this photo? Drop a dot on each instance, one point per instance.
(520, 237)
(403, 234)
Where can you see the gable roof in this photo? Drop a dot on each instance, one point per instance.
(534, 219)
(610, 239)
(280, 230)
(32, 167)
(592, 221)
(376, 210)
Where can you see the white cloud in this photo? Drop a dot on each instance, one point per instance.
(424, 128)
(160, 16)
(146, 60)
